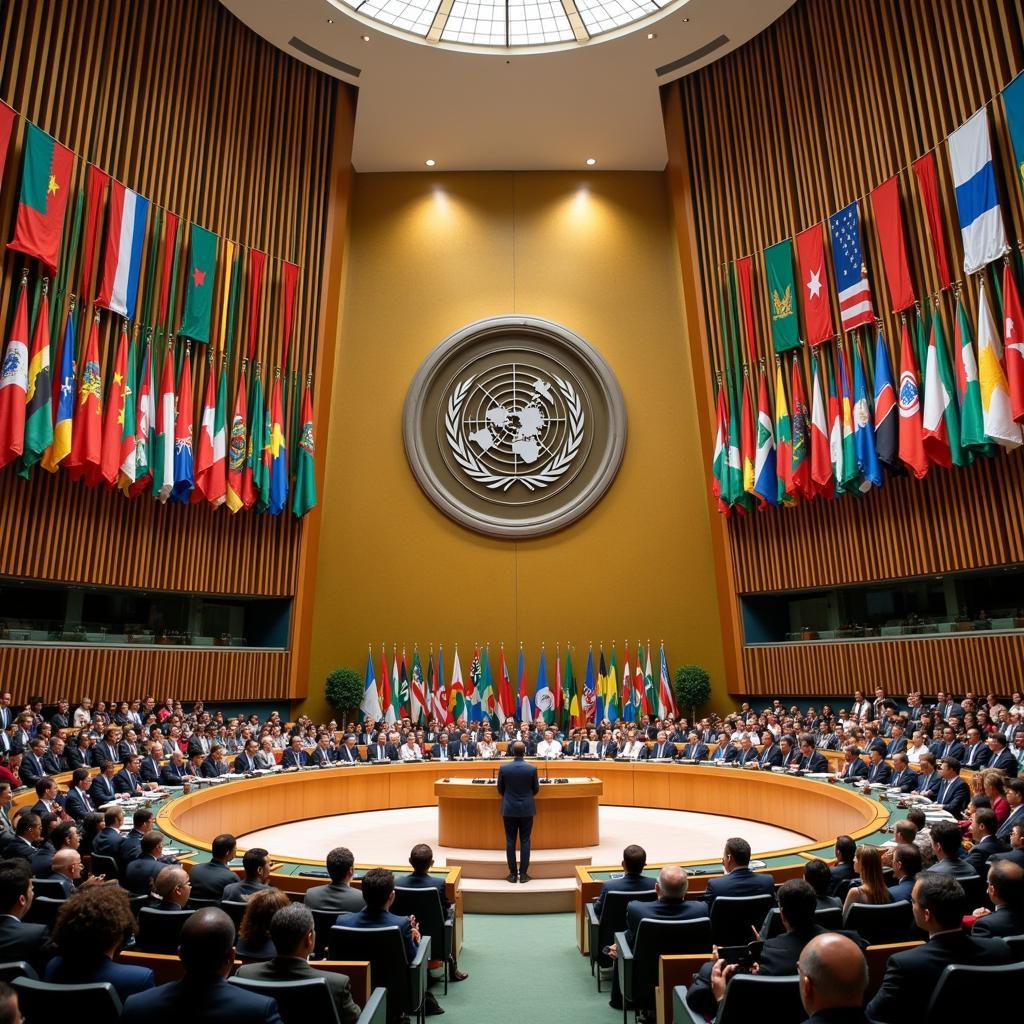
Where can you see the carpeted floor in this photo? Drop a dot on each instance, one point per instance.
(524, 969)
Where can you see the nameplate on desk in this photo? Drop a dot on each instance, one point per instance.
(554, 782)
(485, 782)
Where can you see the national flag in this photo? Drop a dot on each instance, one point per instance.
(997, 415)
(886, 415)
(145, 419)
(14, 382)
(863, 428)
(304, 497)
(163, 437)
(253, 473)
(855, 306)
(640, 701)
(473, 697)
(441, 710)
(561, 698)
(577, 719)
(720, 482)
(87, 432)
(600, 712)
(96, 182)
(628, 708)
(386, 701)
(835, 427)
(821, 455)
(8, 116)
(612, 706)
(278, 452)
(766, 486)
(504, 699)
(488, 694)
(935, 433)
(403, 691)
(39, 395)
(851, 478)
(817, 306)
(748, 450)
(928, 185)
(651, 700)
(122, 254)
(666, 699)
(589, 690)
(785, 489)
(743, 278)
(45, 186)
(369, 707)
(972, 430)
(204, 450)
(170, 264)
(417, 691)
(1013, 104)
(216, 487)
(396, 710)
(525, 704)
(778, 269)
(457, 692)
(888, 211)
(113, 416)
(237, 448)
(908, 399)
(948, 382)
(1013, 342)
(543, 698)
(733, 465)
(199, 292)
(803, 484)
(127, 469)
(430, 687)
(63, 398)
(183, 481)
(977, 199)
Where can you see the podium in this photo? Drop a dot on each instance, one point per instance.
(469, 814)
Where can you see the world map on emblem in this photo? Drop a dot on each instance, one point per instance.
(909, 394)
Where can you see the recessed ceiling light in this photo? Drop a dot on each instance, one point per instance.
(591, 161)
(430, 163)
(652, 35)
(686, 19)
(366, 39)
(330, 21)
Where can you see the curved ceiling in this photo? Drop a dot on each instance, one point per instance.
(549, 106)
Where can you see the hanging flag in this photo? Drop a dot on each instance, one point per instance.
(488, 691)
(387, 709)
(113, 415)
(785, 490)
(995, 393)
(778, 268)
(810, 251)
(399, 687)
(199, 292)
(170, 264)
(561, 703)
(835, 428)
(145, 419)
(14, 382)
(589, 690)
(253, 473)
(612, 703)
(183, 481)
(821, 455)
(127, 468)
(888, 211)
(504, 700)
(525, 704)
(95, 192)
(45, 186)
(216, 486)
(972, 429)
(122, 257)
(473, 688)
(38, 399)
(304, 497)
(803, 484)
(1013, 342)
(1013, 104)
(278, 452)
(743, 277)
(417, 692)
(912, 452)
(369, 708)
(937, 437)
(855, 307)
(457, 694)
(63, 398)
(87, 432)
(404, 689)
(441, 712)
(928, 185)
(628, 708)
(666, 699)
(766, 485)
(977, 199)
(851, 479)
(640, 701)
(8, 116)
(601, 709)
(204, 450)
(720, 482)
(748, 450)
(886, 416)
(863, 428)
(733, 465)
(163, 439)
(237, 448)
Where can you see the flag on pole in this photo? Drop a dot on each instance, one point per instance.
(810, 250)
(850, 479)
(995, 393)
(145, 419)
(430, 687)
(39, 395)
(628, 707)
(1013, 342)
(278, 451)
(195, 323)
(87, 433)
(972, 430)
(766, 485)
(589, 690)
(122, 256)
(488, 696)
(14, 382)
(928, 184)
(397, 706)
(369, 708)
(457, 694)
(96, 182)
(785, 490)
(778, 269)
(835, 429)
(601, 710)
(863, 428)
(912, 452)
(937, 400)
(748, 450)
(127, 469)
(304, 497)
(216, 487)
(651, 695)
(855, 306)
(886, 415)
(504, 699)
(720, 482)
(473, 695)
(577, 719)
(1013, 104)
(183, 481)
(7, 118)
(163, 438)
(888, 211)
(63, 398)
(442, 712)
(821, 454)
(204, 451)
(238, 448)
(803, 484)
(666, 699)
(525, 704)
(387, 709)
(404, 689)
(560, 697)
(113, 417)
(417, 693)
(543, 698)
(612, 706)
(977, 199)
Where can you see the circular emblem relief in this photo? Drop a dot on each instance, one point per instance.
(514, 426)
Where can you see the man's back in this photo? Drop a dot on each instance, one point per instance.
(20, 941)
(293, 968)
(209, 880)
(1001, 922)
(627, 883)
(242, 890)
(338, 897)
(367, 918)
(518, 784)
(660, 910)
(200, 1002)
(424, 881)
(739, 882)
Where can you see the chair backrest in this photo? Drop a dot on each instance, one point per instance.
(732, 917)
(235, 909)
(43, 911)
(975, 889)
(829, 917)
(43, 1001)
(16, 969)
(375, 1009)
(1015, 942)
(960, 984)
(774, 924)
(613, 913)
(425, 904)
(197, 903)
(297, 1001)
(323, 922)
(748, 995)
(159, 929)
(655, 939)
(50, 887)
(879, 923)
(389, 966)
(100, 864)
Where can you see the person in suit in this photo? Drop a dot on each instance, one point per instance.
(854, 769)
(747, 755)
(199, 742)
(939, 908)
(771, 754)
(634, 860)
(1014, 791)
(338, 895)
(209, 880)
(810, 760)
(949, 745)
(518, 785)
(32, 770)
(348, 752)
(265, 758)
(19, 941)
(107, 748)
(295, 756)
(833, 980)
(128, 780)
(605, 746)
(79, 754)
(817, 876)
(1016, 852)
(694, 750)
(576, 746)
(140, 873)
(54, 762)
(214, 766)
(1001, 758)
(906, 865)
(738, 879)
(1006, 892)
(203, 996)
(28, 833)
(256, 868)
(878, 770)
(78, 803)
(946, 841)
(928, 779)
(131, 845)
(953, 793)
(378, 750)
(149, 766)
(322, 755)
(393, 750)
(986, 844)
(102, 789)
(245, 759)
(976, 752)
(843, 872)
(175, 772)
(903, 777)
(293, 935)
(661, 749)
(898, 740)
(462, 748)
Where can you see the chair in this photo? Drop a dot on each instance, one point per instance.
(732, 918)
(829, 917)
(17, 969)
(601, 929)
(137, 903)
(959, 985)
(637, 966)
(50, 887)
(384, 948)
(297, 1001)
(43, 911)
(198, 903)
(880, 923)
(746, 998)
(323, 922)
(235, 909)
(159, 930)
(431, 919)
(42, 1001)
(975, 890)
(100, 864)
(1015, 942)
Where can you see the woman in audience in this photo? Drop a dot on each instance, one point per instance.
(867, 863)
(916, 747)
(994, 782)
(819, 878)
(487, 747)
(92, 823)
(254, 942)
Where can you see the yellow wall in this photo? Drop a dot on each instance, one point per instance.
(429, 253)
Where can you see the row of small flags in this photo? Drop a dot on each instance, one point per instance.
(404, 691)
(859, 418)
(141, 438)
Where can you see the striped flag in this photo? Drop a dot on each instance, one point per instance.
(525, 704)
(122, 254)
(628, 709)
(63, 398)
(766, 485)
(456, 692)
(369, 708)
(995, 393)
(886, 431)
(14, 383)
(855, 307)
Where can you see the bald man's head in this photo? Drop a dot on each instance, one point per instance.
(169, 881)
(207, 946)
(65, 861)
(833, 973)
(672, 882)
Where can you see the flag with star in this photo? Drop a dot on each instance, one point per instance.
(113, 417)
(39, 410)
(855, 305)
(87, 433)
(778, 268)
(45, 186)
(199, 294)
(810, 251)
(63, 399)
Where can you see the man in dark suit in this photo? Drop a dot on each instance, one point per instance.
(576, 746)
(19, 941)
(946, 842)
(378, 750)
(833, 979)
(661, 749)
(854, 769)
(215, 766)
(339, 895)
(1001, 757)
(32, 770)
(878, 770)
(128, 780)
(140, 873)
(747, 754)
(725, 753)
(771, 754)
(939, 907)
(949, 745)
(694, 749)
(518, 785)
(245, 759)
(54, 762)
(738, 879)
(256, 876)
(810, 760)
(634, 860)
(348, 752)
(102, 789)
(209, 880)
(986, 844)
(953, 793)
(149, 768)
(903, 777)
(906, 865)
(1016, 852)
(323, 754)
(175, 771)
(1006, 891)
(605, 746)
(1015, 798)
(131, 846)
(898, 741)
(295, 756)
(976, 752)
(28, 832)
(293, 934)
(842, 872)
(203, 996)
(107, 842)
(928, 779)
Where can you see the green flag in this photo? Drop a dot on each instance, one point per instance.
(951, 414)
(195, 323)
(38, 407)
(304, 494)
(129, 462)
(973, 438)
(778, 269)
(259, 438)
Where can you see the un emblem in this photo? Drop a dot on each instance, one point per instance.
(514, 426)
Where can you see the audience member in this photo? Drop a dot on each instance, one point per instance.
(1006, 893)
(833, 979)
(947, 843)
(256, 876)
(254, 942)
(338, 895)
(738, 880)
(870, 886)
(209, 880)
(19, 941)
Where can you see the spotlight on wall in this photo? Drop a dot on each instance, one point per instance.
(366, 39)
(430, 163)
(330, 21)
(591, 161)
(652, 35)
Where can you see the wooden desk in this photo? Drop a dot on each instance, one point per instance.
(468, 814)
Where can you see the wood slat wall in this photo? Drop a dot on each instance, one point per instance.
(823, 106)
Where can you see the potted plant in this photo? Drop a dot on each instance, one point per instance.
(344, 690)
(692, 687)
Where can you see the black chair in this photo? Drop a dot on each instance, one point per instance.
(43, 1001)
(50, 887)
(406, 982)
(17, 969)
(975, 890)
(880, 923)
(235, 909)
(297, 1001)
(323, 922)
(44, 911)
(137, 903)
(828, 917)
(99, 864)
(746, 998)
(601, 929)
(425, 904)
(637, 966)
(198, 903)
(843, 886)
(159, 930)
(733, 917)
(1015, 942)
(959, 985)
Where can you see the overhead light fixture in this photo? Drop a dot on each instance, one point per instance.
(652, 35)
(591, 161)
(685, 20)
(366, 39)
(330, 21)
(430, 163)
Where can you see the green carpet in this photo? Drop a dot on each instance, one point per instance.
(524, 967)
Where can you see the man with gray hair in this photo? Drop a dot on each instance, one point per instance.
(292, 932)
(833, 978)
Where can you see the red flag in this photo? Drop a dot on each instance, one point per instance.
(256, 261)
(743, 273)
(721, 448)
(95, 192)
(290, 274)
(821, 454)
(87, 432)
(237, 449)
(1013, 342)
(14, 382)
(7, 119)
(908, 395)
(204, 451)
(748, 443)
(810, 252)
(385, 682)
(801, 418)
(113, 418)
(928, 184)
(885, 203)
(170, 242)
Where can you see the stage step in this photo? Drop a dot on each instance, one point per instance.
(538, 896)
(543, 863)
